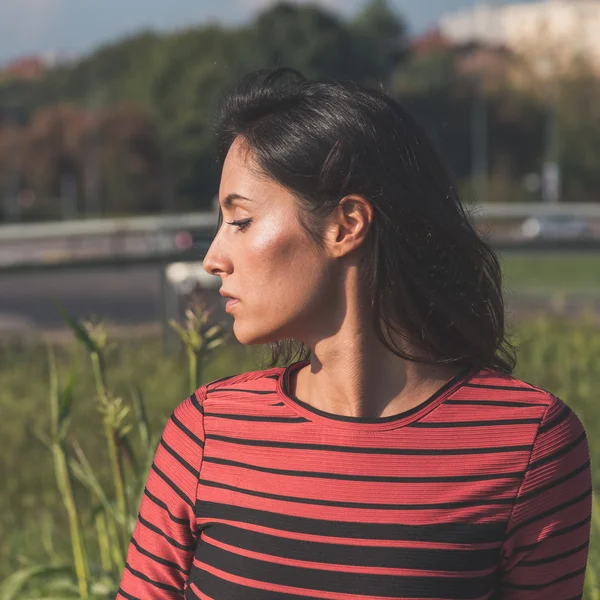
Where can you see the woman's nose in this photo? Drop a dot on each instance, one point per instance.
(213, 262)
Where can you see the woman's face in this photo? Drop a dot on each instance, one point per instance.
(283, 281)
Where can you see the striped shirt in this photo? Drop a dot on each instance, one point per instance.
(482, 491)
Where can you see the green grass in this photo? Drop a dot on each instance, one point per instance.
(32, 517)
(546, 272)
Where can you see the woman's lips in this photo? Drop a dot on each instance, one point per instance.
(230, 304)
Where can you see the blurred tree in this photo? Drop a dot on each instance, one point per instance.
(186, 93)
(51, 157)
(384, 35)
(123, 69)
(53, 148)
(431, 90)
(130, 161)
(179, 79)
(425, 73)
(577, 114)
(11, 151)
(310, 39)
(158, 153)
(187, 90)
(16, 100)
(438, 87)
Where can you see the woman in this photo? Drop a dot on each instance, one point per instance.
(398, 458)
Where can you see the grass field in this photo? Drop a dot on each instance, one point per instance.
(577, 273)
(563, 357)
(32, 518)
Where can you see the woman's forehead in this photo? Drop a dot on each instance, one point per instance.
(237, 175)
(242, 179)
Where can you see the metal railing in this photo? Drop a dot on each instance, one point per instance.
(152, 239)
(107, 227)
(207, 220)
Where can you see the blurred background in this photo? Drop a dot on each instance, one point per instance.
(108, 183)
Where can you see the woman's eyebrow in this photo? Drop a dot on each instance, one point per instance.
(228, 201)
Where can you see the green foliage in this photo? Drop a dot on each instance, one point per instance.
(200, 336)
(307, 38)
(109, 158)
(12, 586)
(578, 123)
(165, 160)
(548, 272)
(439, 88)
(179, 78)
(432, 92)
(100, 506)
(425, 74)
(384, 34)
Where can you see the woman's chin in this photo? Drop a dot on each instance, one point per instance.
(253, 336)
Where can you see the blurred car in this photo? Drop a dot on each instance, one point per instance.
(187, 241)
(556, 227)
(184, 240)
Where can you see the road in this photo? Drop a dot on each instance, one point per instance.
(132, 296)
(127, 295)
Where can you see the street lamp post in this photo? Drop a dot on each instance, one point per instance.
(483, 33)
(551, 174)
(479, 142)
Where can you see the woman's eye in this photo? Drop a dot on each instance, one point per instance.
(241, 225)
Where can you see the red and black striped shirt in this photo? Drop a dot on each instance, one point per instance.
(482, 491)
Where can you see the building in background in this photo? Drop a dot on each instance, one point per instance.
(549, 34)
(34, 66)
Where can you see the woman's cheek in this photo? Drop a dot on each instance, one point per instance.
(272, 247)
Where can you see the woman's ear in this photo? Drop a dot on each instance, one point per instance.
(349, 225)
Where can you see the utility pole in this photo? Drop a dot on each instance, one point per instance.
(479, 111)
(550, 179)
(92, 173)
(551, 174)
(479, 143)
(12, 207)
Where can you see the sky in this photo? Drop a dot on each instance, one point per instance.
(78, 26)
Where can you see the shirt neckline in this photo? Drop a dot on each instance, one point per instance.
(402, 419)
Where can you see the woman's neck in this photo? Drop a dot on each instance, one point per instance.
(351, 372)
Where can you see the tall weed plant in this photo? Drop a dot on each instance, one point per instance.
(94, 573)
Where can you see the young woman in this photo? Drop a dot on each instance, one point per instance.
(397, 457)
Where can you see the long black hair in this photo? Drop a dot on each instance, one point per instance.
(434, 282)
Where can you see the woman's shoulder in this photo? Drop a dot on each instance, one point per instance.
(222, 391)
(523, 398)
(263, 379)
(508, 386)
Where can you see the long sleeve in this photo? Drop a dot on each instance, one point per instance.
(164, 539)
(546, 545)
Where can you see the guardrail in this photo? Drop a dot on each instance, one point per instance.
(208, 220)
(153, 240)
(107, 227)
(124, 260)
(518, 210)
